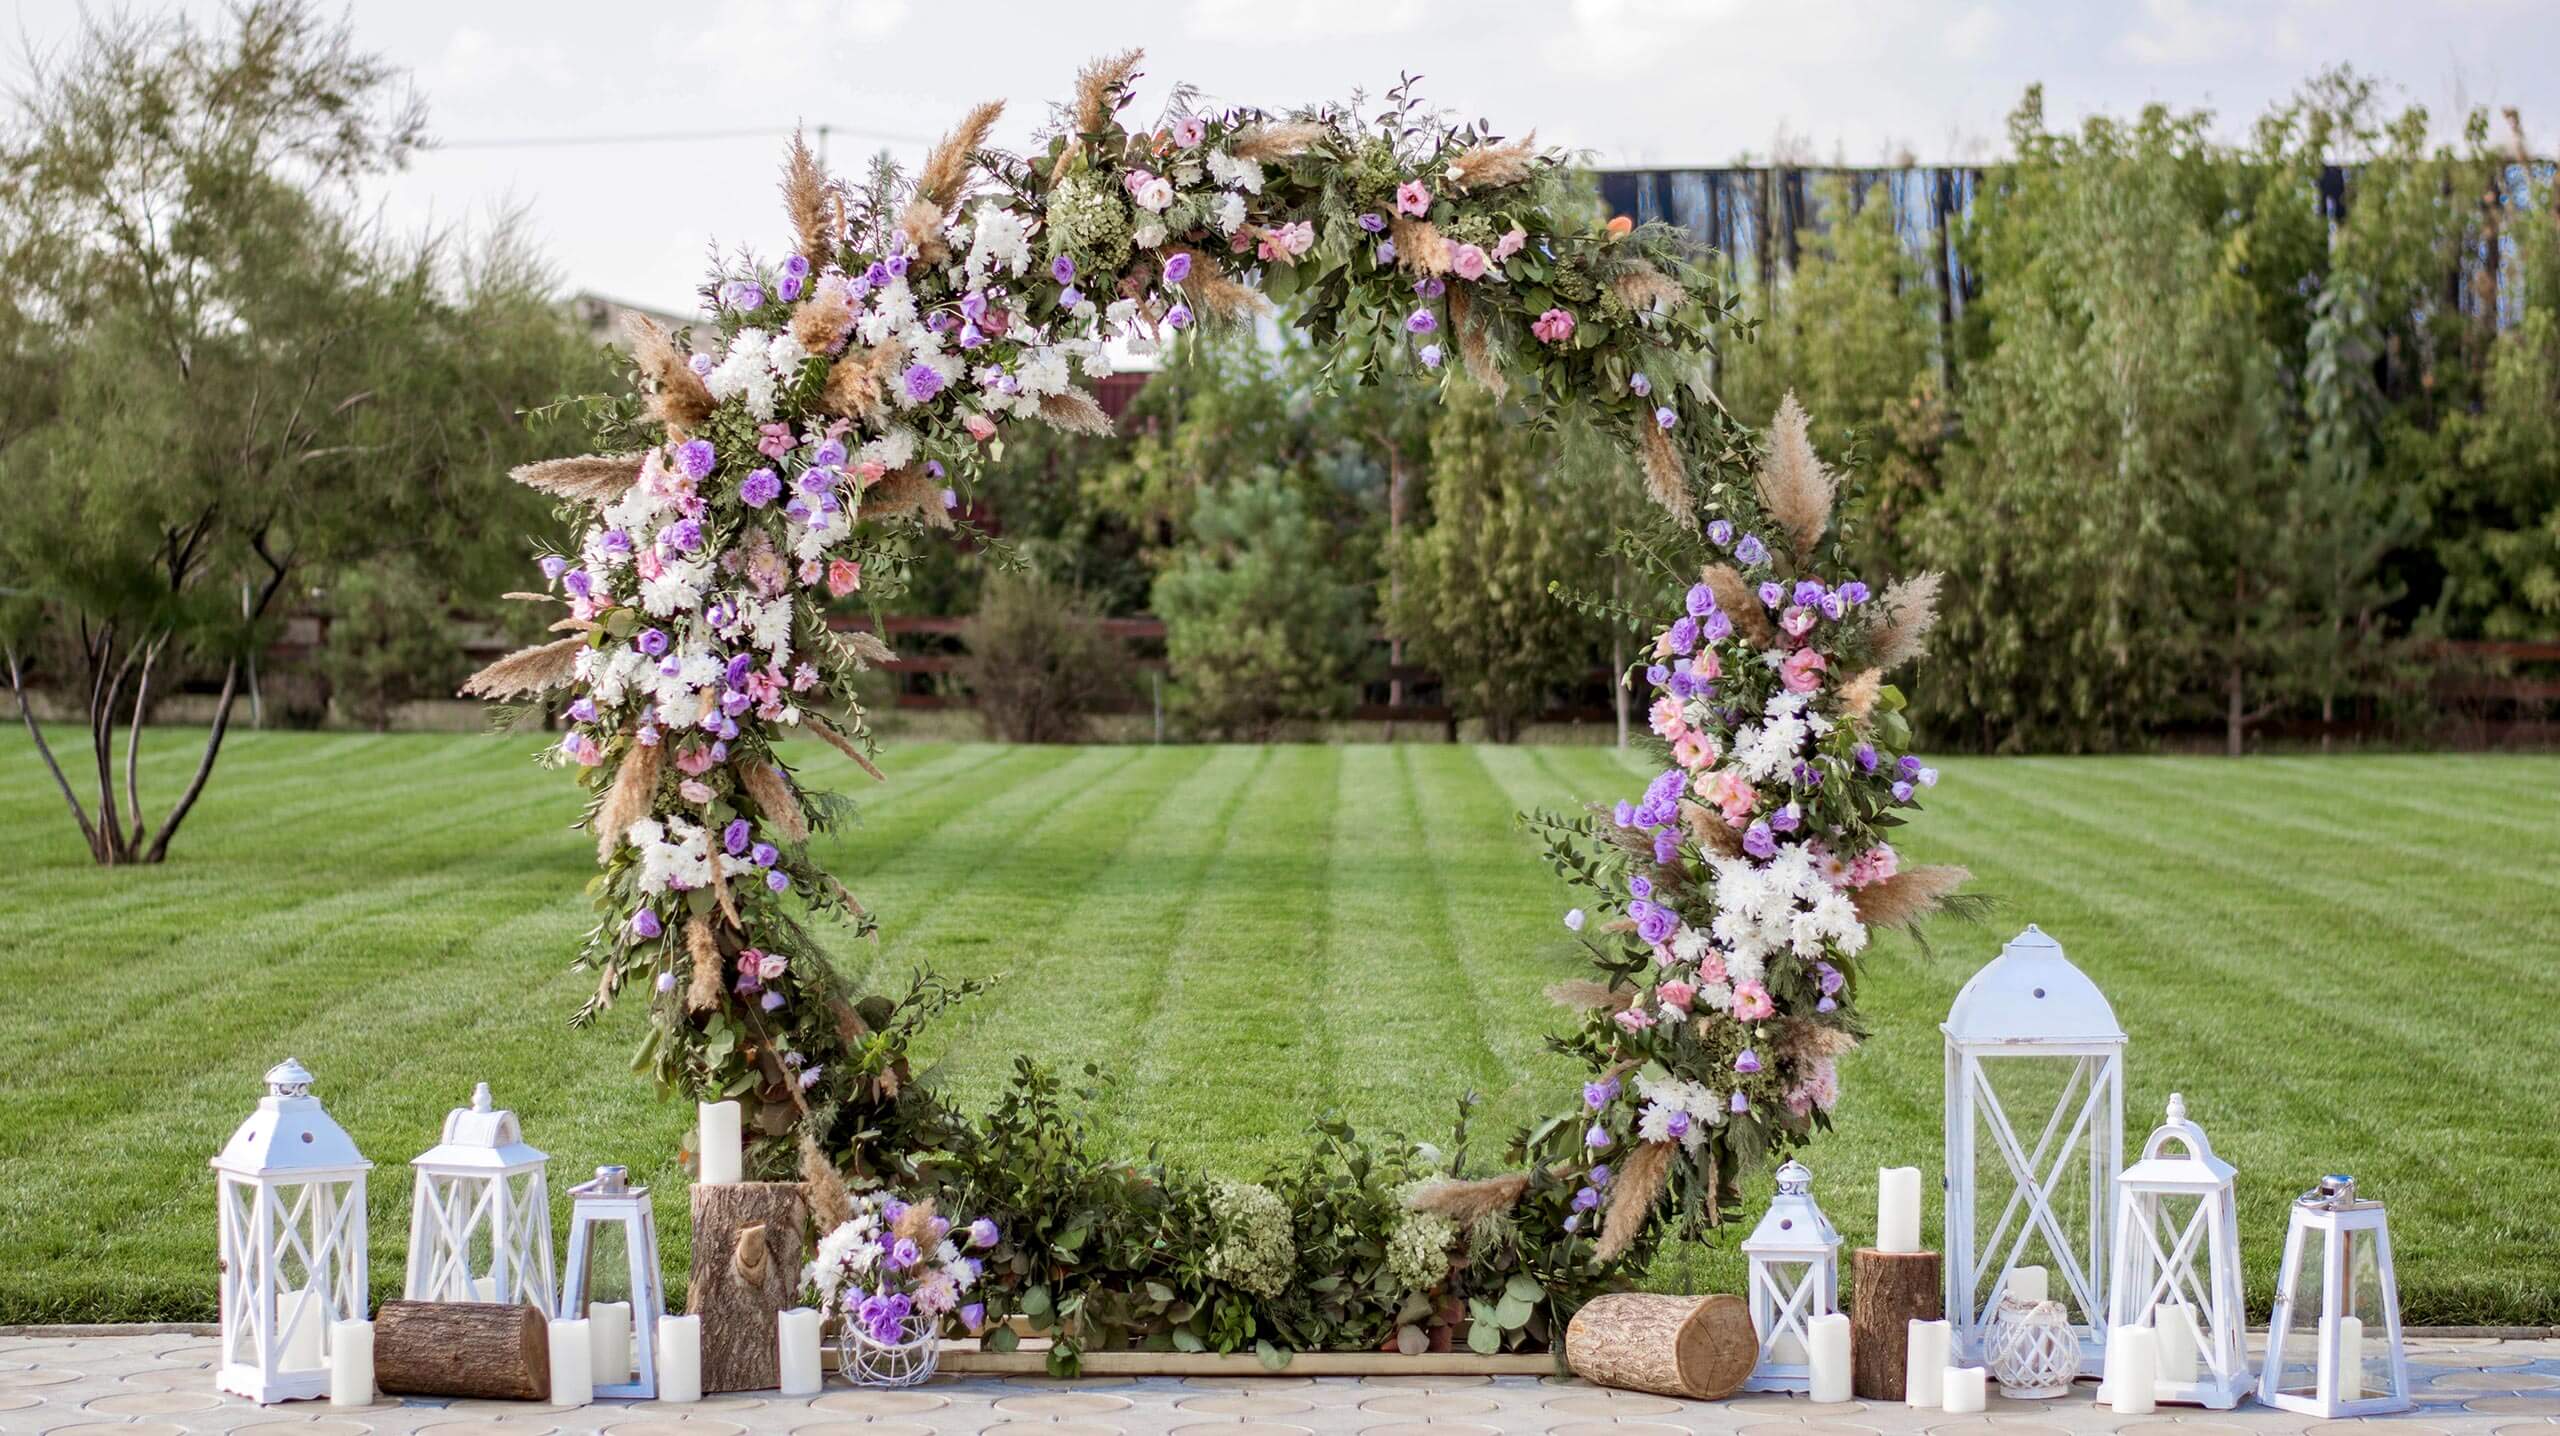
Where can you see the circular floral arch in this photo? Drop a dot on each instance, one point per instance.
(837, 405)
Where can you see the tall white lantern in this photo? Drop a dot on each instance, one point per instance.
(2326, 1356)
(2035, 1133)
(480, 1225)
(2177, 1265)
(289, 1188)
(1795, 1277)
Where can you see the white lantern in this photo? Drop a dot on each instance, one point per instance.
(2177, 1265)
(289, 1187)
(2322, 1358)
(1795, 1277)
(611, 1200)
(2042, 1028)
(480, 1226)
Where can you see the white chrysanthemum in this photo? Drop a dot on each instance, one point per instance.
(1044, 373)
(893, 450)
(1230, 213)
(1097, 365)
(1150, 235)
(1234, 173)
(1121, 315)
(770, 629)
(677, 588)
(1000, 240)
(612, 678)
(785, 354)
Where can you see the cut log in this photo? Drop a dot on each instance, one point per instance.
(747, 1255)
(1701, 1347)
(462, 1348)
(1889, 1291)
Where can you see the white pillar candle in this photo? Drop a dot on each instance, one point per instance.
(1827, 1350)
(2027, 1284)
(1924, 1365)
(797, 1329)
(573, 1364)
(2350, 1333)
(310, 1317)
(1965, 1392)
(609, 1331)
(484, 1288)
(723, 1156)
(1898, 1209)
(2133, 1370)
(351, 1363)
(1786, 1349)
(2178, 1340)
(679, 1358)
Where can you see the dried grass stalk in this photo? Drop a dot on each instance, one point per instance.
(1908, 895)
(681, 400)
(709, 967)
(1493, 166)
(830, 1205)
(1095, 84)
(916, 1224)
(867, 646)
(1794, 486)
(855, 386)
(1276, 141)
(1710, 830)
(774, 799)
(1475, 345)
(804, 198)
(907, 491)
(1639, 1184)
(594, 478)
(1640, 287)
(1583, 994)
(1858, 696)
(1215, 294)
(521, 596)
(1666, 480)
(720, 894)
(634, 792)
(921, 222)
(1075, 411)
(1470, 1202)
(1420, 246)
(842, 744)
(527, 670)
(571, 625)
(821, 325)
(945, 175)
(1806, 1040)
(1740, 604)
(1910, 609)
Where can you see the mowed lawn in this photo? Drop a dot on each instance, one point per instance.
(2344, 964)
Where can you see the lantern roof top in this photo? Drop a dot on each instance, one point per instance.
(2031, 994)
(2197, 1167)
(1794, 1222)
(481, 1137)
(290, 1135)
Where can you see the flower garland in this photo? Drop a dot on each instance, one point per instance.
(896, 1269)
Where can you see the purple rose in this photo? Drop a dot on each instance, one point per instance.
(736, 836)
(1747, 1063)
(1177, 267)
(1758, 843)
(1421, 321)
(645, 925)
(1666, 846)
(1751, 549)
(921, 382)
(1720, 532)
(761, 488)
(763, 855)
(1374, 223)
(1701, 600)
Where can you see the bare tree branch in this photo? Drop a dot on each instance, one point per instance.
(17, 685)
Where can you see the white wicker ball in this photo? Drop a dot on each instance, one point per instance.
(868, 1362)
(2034, 1353)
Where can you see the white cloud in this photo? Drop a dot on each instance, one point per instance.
(1304, 19)
(2180, 32)
(1972, 34)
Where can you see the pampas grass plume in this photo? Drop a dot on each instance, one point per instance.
(1910, 610)
(1794, 486)
(527, 670)
(1638, 1186)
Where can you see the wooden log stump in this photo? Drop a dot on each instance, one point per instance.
(1890, 1291)
(747, 1255)
(462, 1348)
(1701, 1347)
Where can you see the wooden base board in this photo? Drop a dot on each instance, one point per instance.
(1032, 1359)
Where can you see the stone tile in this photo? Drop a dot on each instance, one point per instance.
(2514, 1405)
(863, 1428)
(2183, 1426)
(1052, 1428)
(135, 1428)
(1244, 1428)
(314, 1426)
(880, 1403)
(1618, 1428)
(1800, 1407)
(2522, 1428)
(1050, 1406)
(154, 1403)
(674, 1426)
(1807, 1428)
(19, 1400)
(1245, 1404)
(1426, 1383)
(1988, 1425)
(1431, 1405)
(494, 1426)
(1612, 1405)
(1431, 1428)
(2359, 1427)
(2494, 1381)
(1249, 1383)
(25, 1377)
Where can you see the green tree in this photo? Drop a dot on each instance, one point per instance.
(1262, 621)
(1508, 517)
(246, 389)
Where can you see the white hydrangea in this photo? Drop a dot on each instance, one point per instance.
(1666, 1097)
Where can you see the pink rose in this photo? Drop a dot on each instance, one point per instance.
(1751, 1002)
(1706, 664)
(1668, 722)
(694, 791)
(1711, 967)
(980, 427)
(1468, 262)
(695, 760)
(1693, 751)
(843, 576)
(1802, 672)
(1635, 1019)
(1510, 243)
(1190, 130)
(1553, 327)
(1798, 620)
(1413, 199)
(1676, 993)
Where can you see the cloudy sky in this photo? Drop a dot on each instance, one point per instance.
(689, 100)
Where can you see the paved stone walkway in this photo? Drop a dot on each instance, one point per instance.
(163, 1386)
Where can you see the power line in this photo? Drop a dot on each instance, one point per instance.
(662, 137)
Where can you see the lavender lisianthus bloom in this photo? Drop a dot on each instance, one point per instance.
(1902, 791)
(1684, 636)
(1666, 845)
(1597, 1139)
(618, 542)
(973, 305)
(1658, 923)
(720, 750)
(695, 457)
(1658, 675)
(1177, 267)
(1666, 418)
(904, 1254)
(1751, 550)
(777, 881)
(983, 1233)
(1600, 1175)
(921, 382)
(973, 1317)
(1865, 753)
(1909, 766)
(797, 266)
(760, 488)
(724, 615)
(1572, 1223)
(666, 982)
(1421, 321)
(583, 711)
(1747, 1063)
(1808, 591)
(578, 582)
(771, 1001)
(1178, 317)
(1719, 626)
(1834, 606)
(1596, 1095)
(685, 534)
(1063, 269)
(764, 855)
(740, 665)
(1828, 1004)
(898, 266)
(1676, 1126)
(1573, 920)
(1070, 297)
(1928, 777)
(1758, 842)
(1720, 532)
(553, 565)
(1700, 601)
(1625, 813)
(1586, 1200)
(736, 836)
(1430, 356)
(1639, 385)
(1374, 223)
(789, 288)
(1683, 686)
(1386, 252)
(1740, 1104)
(829, 455)
(1786, 819)
(1666, 786)
(1831, 977)
(645, 925)
(1854, 591)
(1772, 594)
(878, 275)
(950, 499)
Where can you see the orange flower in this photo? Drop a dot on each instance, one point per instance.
(1620, 224)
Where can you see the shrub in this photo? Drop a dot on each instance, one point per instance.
(1039, 662)
(1259, 625)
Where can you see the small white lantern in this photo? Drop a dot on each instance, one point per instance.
(1795, 1277)
(289, 1187)
(2321, 1356)
(2177, 1265)
(2044, 1028)
(480, 1226)
(611, 1200)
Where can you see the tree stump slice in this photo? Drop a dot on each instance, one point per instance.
(747, 1255)
(462, 1348)
(1890, 1290)
(1700, 1347)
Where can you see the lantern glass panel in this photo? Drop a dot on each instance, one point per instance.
(2365, 1366)
(2055, 1112)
